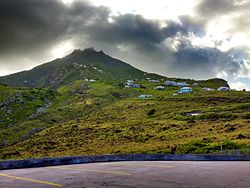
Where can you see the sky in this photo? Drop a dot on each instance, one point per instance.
(198, 39)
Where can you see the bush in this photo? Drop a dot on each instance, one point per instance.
(151, 112)
(196, 146)
(244, 106)
(202, 147)
(215, 116)
(246, 116)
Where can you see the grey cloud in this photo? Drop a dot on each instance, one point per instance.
(29, 28)
(237, 10)
(133, 28)
(29, 24)
(205, 61)
(213, 8)
(26, 24)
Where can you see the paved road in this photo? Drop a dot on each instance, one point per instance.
(159, 174)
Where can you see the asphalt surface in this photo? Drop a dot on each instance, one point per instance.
(159, 174)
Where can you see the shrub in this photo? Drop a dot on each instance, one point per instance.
(215, 116)
(151, 112)
(244, 106)
(246, 116)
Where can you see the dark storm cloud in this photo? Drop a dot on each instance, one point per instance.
(143, 34)
(29, 24)
(29, 28)
(131, 28)
(34, 23)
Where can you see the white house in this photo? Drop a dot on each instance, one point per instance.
(179, 84)
(195, 84)
(154, 81)
(159, 88)
(144, 96)
(182, 84)
(92, 80)
(170, 83)
(130, 83)
(208, 89)
(184, 90)
(223, 89)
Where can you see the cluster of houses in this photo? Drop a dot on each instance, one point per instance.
(78, 66)
(185, 87)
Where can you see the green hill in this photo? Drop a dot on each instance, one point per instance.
(64, 113)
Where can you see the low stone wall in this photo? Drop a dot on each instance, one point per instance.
(28, 163)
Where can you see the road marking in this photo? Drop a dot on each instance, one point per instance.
(141, 165)
(30, 180)
(88, 170)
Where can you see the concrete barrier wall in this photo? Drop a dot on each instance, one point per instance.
(28, 163)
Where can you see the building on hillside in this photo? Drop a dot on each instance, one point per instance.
(223, 89)
(145, 96)
(182, 84)
(92, 80)
(185, 90)
(170, 83)
(208, 89)
(154, 81)
(159, 88)
(130, 83)
(195, 84)
(179, 84)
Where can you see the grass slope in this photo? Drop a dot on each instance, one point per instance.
(104, 117)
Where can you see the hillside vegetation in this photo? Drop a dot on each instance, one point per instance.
(76, 116)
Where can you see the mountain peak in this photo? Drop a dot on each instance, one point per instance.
(89, 50)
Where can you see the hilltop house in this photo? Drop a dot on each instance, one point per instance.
(154, 81)
(170, 83)
(223, 89)
(182, 84)
(144, 96)
(159, 88)
(195, 84)
(184, 90)
(179, 84)
(208, 89)
(130, 83)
